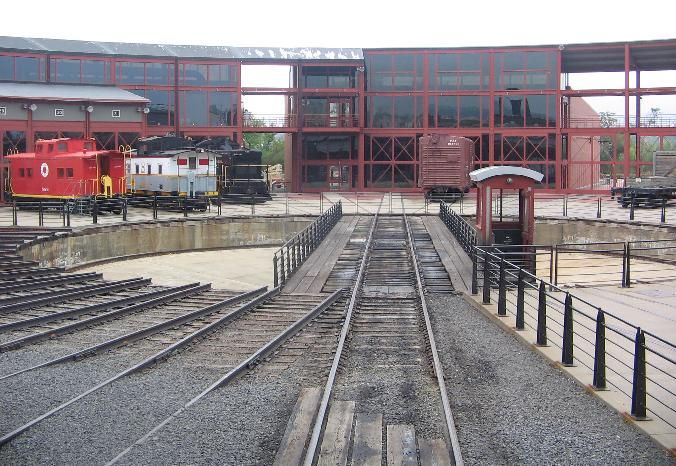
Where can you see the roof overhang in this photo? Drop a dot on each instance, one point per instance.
(499, 170)
(69, 93)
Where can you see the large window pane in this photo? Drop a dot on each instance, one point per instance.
(6, 67)
(470, 116)
(448, 112)
(380, 109)
(29, 69)
(222, 109)
(130, 73)
(161, 108)
(194, 74)
(65, 70)
(95, 72)
(222, 75)
(158, 73)
(194, 108)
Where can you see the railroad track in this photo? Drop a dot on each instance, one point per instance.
(216, 346)
(380, 374)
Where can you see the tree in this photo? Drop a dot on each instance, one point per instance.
(269, 144)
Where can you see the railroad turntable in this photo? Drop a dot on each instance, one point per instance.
(364, 354)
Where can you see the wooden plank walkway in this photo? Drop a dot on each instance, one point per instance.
(312, 275)
(454, 258)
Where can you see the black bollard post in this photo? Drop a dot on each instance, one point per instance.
(627, 272)
(219, 203)
(520, 300)
(638, 391)
(67, 214)
(274, 271)
(487, 279)
(598, 209)
(567, 350)
(41, 219)
(542, 316)
(15, 217)
(155, 207)
(95, 211)
(599, 382)
(631, 207)
(502, 290)
(124, 210)
(64, 207)
(663, 217)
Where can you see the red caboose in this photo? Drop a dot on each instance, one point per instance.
(67, 168)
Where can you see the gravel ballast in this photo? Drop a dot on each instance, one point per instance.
(512, 407)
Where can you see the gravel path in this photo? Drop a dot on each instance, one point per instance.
(512, 407)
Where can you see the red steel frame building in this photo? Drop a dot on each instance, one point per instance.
(353, 116)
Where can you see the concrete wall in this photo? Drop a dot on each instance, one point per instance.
(106, 243)
(557, 231)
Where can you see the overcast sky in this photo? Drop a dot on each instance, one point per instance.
(345, 23)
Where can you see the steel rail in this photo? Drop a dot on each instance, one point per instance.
(30, 271)
(20, 304)
(451, 432)
(174, 293)
(137, 335)
(57, 280)
(146, 362)
(237, 370)
(311, 451)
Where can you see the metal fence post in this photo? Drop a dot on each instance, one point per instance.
(64, 207)
(599, 382)
(520, 300)
(286, 201)
(542, 316)
(663, 217)
(487, 279)
(282, 270)
(475, 272)
(631, 207)
(67, 214)
(502, 290)
(274, 270)
(185, 207)
(95, 212)
(293, 254)
(598, 208)
(627, 266)
(155, 207)
(15, 217)
(638, 390)
(567, 349)
(219, 203)
(253, 205)
(41, 218)
(124, 210)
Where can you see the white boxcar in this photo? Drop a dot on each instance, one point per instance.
(182, 172)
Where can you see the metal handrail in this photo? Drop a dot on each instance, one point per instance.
(288, 258)
(492, 271)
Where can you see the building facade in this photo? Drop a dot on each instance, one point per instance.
(353, 116)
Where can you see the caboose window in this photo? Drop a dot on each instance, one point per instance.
(69, 172)
(159, 169)
(88, 146)
(204, 161)
(59, 172)
(29, 172)
(138, 169)
(150, 170)
(50, 148)
(181, 162)
(192, 163)
(62, 147)
(21, 172)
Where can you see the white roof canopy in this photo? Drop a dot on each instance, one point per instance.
(499, 170)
